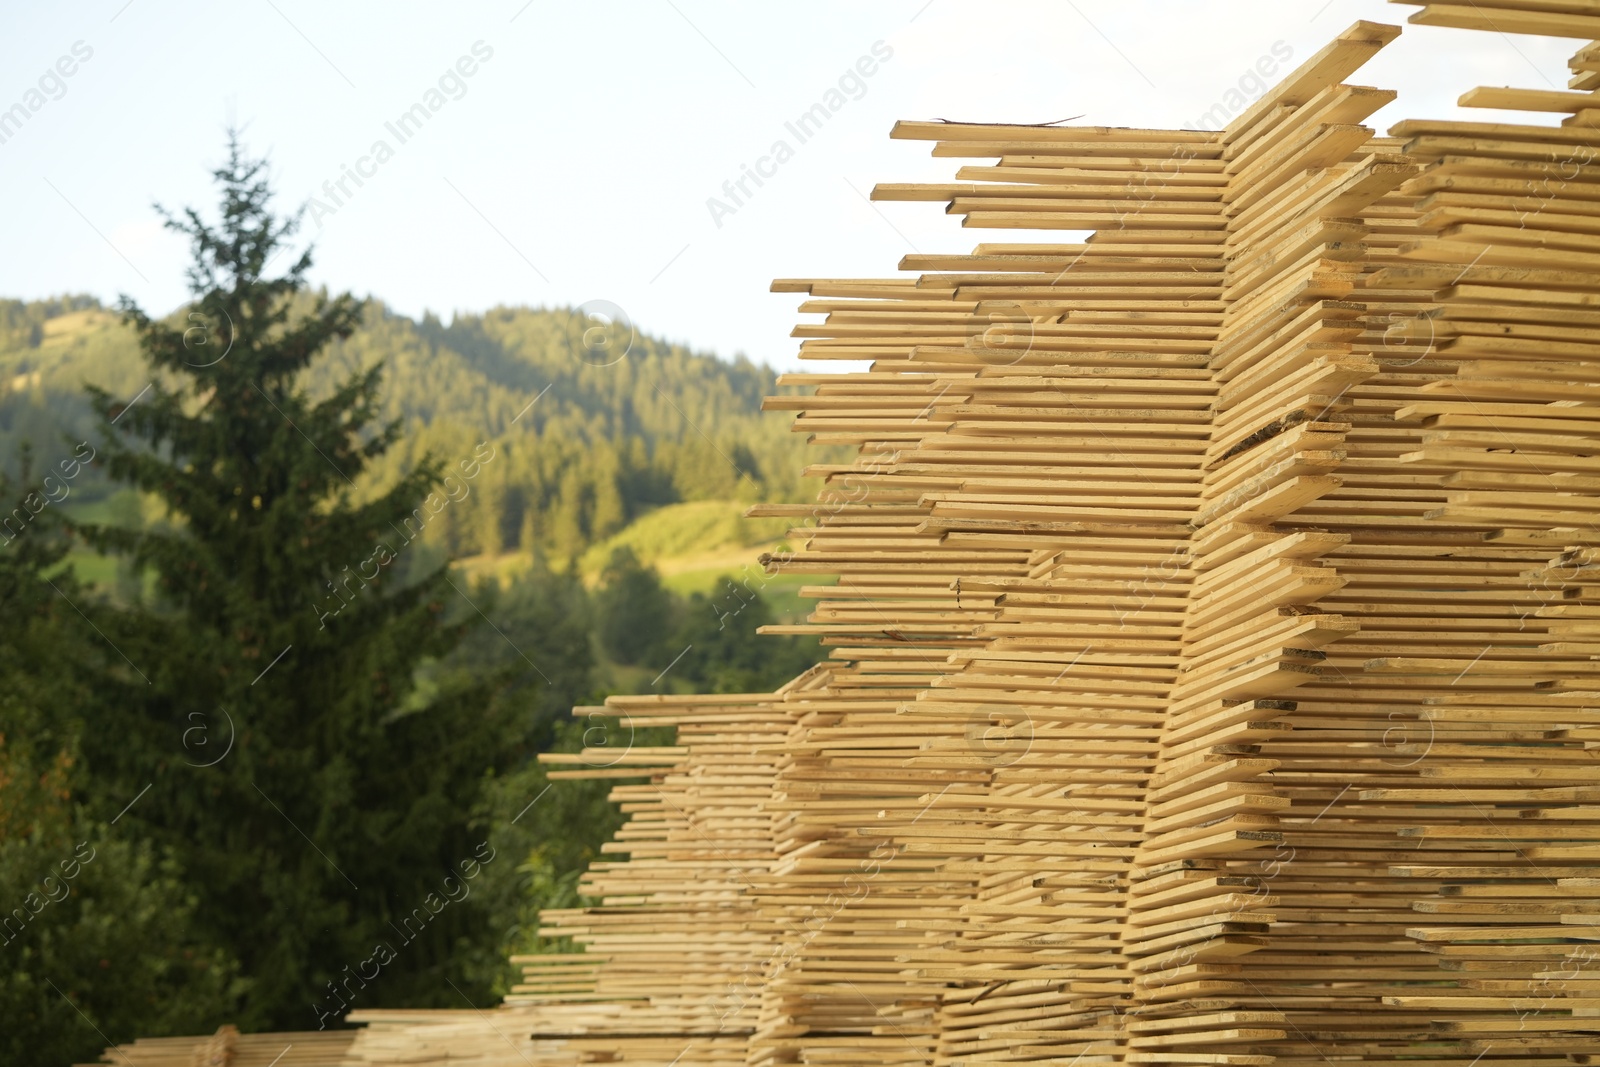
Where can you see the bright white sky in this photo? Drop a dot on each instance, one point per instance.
(578, 162)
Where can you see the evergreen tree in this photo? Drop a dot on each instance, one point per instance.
(633, 611)
(330, 799)
(528, 534)
(610, 512)
(568, 523)
(490, 511)
(725, 652)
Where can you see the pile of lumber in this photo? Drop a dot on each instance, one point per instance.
(229, 1048)
(1214, 657)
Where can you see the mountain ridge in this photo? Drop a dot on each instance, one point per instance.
(600, 421)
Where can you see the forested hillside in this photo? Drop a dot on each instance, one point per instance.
(593, 426)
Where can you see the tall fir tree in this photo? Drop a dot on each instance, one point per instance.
(317, 800)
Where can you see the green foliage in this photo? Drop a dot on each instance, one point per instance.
(100, 933)
(633, 612)
(540, 642)
(550, 831)
(96, 927)
(283, 623)
(725, 654)
(706, 642)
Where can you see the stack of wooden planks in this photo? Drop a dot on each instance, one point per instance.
(229, 1048)
(1214, 658)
